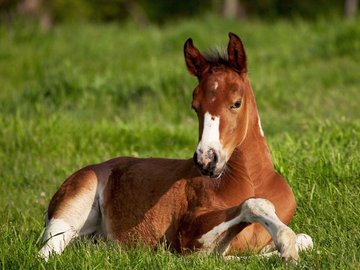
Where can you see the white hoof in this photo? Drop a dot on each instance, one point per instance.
(303, 242)
(44, 253)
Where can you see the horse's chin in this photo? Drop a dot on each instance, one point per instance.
(215, 175)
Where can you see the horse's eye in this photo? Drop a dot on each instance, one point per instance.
(236, 105)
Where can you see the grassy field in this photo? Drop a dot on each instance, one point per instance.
(86, 93)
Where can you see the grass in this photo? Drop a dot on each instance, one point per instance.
(86, 93)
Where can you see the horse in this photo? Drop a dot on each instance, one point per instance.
(226, 199)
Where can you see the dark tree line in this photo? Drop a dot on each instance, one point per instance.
(48, 12)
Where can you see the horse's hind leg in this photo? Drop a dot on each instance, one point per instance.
(73, 211)
(57, 236)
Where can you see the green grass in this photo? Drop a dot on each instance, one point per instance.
(86, 93)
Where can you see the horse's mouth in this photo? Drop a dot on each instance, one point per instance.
(216, 176)
(212, 174)
(213, 169)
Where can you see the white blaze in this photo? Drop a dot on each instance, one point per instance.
(210, 137)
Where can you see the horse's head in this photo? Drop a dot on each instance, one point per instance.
(220, 101)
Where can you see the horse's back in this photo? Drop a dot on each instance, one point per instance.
(82, 188)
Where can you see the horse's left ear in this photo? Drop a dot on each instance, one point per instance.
(236, 53)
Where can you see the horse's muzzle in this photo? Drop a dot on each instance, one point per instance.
(207, 162)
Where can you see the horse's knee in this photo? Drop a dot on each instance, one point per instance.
(254, 208)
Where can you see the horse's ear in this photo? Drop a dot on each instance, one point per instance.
(236, 53)
(195, 62)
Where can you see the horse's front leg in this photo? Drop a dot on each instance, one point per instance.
(254, 210)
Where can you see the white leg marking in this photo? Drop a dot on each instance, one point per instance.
(208, 240)
(57, 235)
(92, 223)
(262, 211)
(303, 242)
(258, 211)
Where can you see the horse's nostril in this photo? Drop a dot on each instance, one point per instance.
(206, 162)
(215, 159)
(195, 157)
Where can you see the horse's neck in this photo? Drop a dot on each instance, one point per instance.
(251, 159)
(250, 165)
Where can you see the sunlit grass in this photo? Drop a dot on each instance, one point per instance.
(86, 93)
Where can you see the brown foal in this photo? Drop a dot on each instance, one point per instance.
(225, 199)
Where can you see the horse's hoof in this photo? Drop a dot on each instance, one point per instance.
(304, 242)
(286, 244)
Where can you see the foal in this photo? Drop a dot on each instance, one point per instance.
(226, 199)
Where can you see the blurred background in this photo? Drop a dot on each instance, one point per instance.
(121, 61)
(83, 81)
(51, 12)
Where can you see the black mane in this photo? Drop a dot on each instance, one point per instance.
(217, 58)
